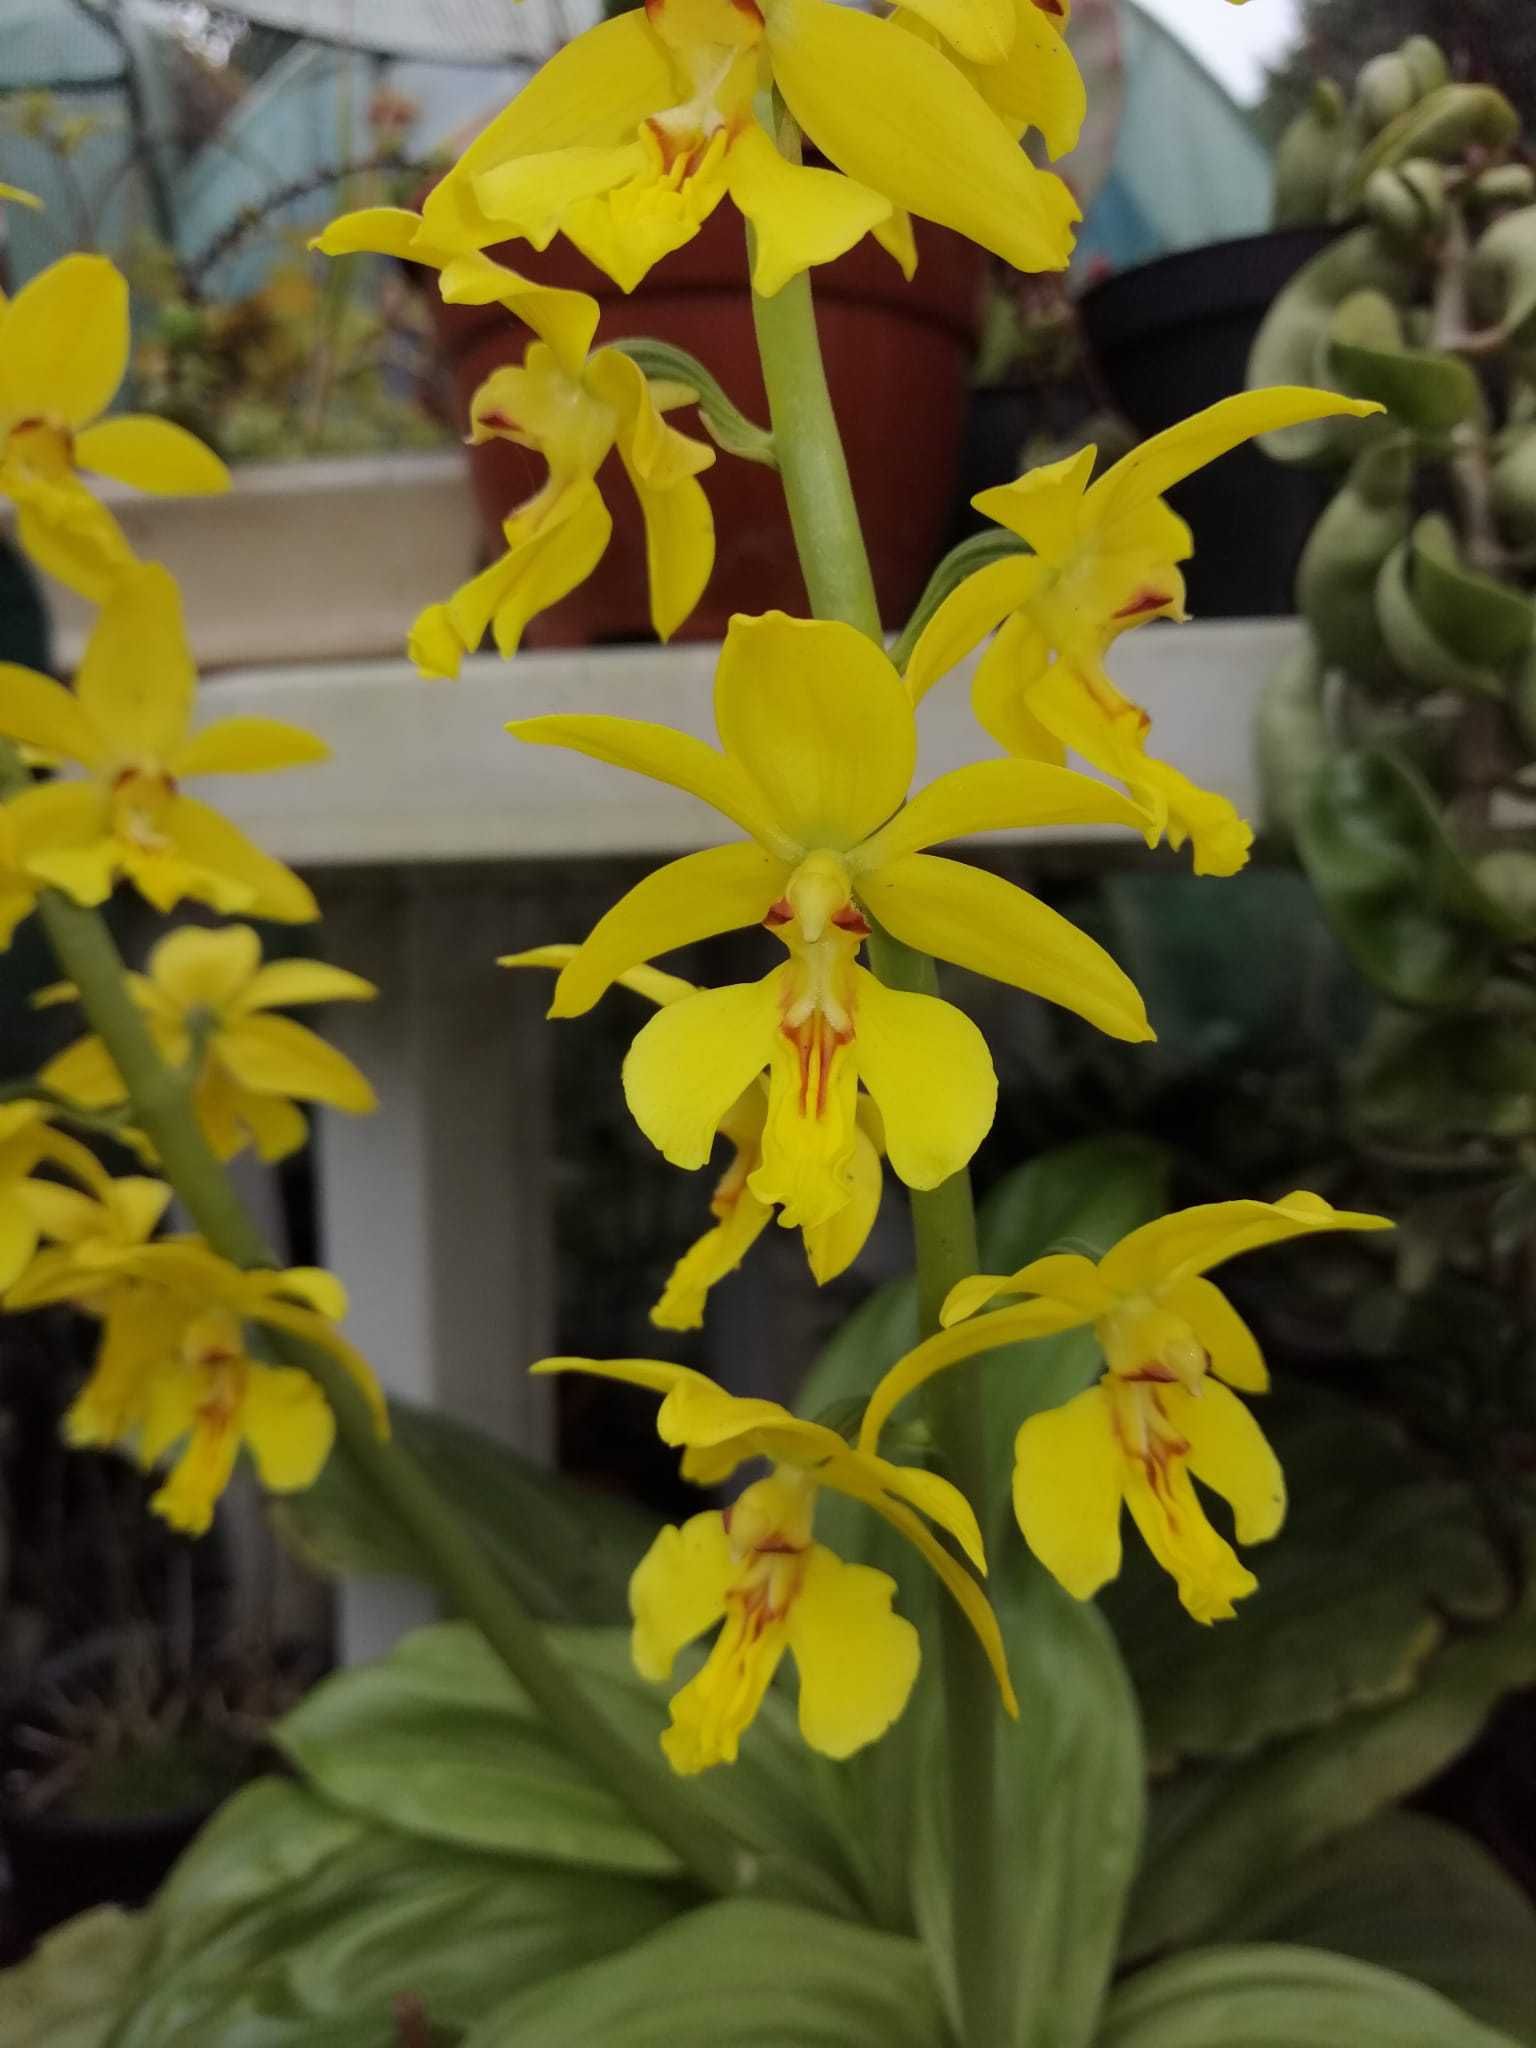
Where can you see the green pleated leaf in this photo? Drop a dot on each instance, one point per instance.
(1263, 1997)
(438, 1740)
(289, 1924)
(1219, 1835)
(1413, 1895)
(69, 1993)
(747, 1974)
(1381, 1557)
(567, 1549)
(1070, 1790)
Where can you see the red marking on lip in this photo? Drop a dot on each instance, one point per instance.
(782, 912)
(816, 1044)
(1053, 8)
(1145, 600)
(851, 919)
(1154, 1371)
(498, 422)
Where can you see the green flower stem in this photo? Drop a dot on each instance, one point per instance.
(835, 563)
(822, 508)
(162, 1103)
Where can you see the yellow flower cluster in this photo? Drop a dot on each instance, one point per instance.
(179, 1375)
(818, 1073)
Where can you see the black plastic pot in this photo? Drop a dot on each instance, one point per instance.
(61, 1866)
(63, 1863)
(1171, 337)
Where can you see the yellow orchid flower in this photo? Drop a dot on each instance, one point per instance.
(175, 1372)
(557, 538)
(820, 745)
(1104, 558)
(1162, 1415)
(740, 1218)
(127, 723)
(64, 342)
(630, 136)
(207, 993)
(27, 1141)
(89, 1234)
(567, 320)
(758, 1568)
(1035, 83)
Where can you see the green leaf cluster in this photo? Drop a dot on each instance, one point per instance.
(439, 1853)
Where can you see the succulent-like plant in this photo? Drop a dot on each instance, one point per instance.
(1399, 743)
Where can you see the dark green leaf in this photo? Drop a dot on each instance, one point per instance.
(740, 1973)
(1070, 1793)
(1381, 1554)
(567, 1549)
(1434, 1080)
(1220, 1834)
(1263, 1997)
(1413, 1895)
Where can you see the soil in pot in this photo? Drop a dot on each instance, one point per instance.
(1173, 336)
(898, 362)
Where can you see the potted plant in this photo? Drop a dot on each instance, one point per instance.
(899, 361)
(311, 388)
(1171, 336)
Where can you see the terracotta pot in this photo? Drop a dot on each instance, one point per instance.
(898, 362)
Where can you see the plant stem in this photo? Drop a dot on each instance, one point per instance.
(822, 509)
(163, 1110)
(835, 563)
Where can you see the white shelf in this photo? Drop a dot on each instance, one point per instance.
(423, 771)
